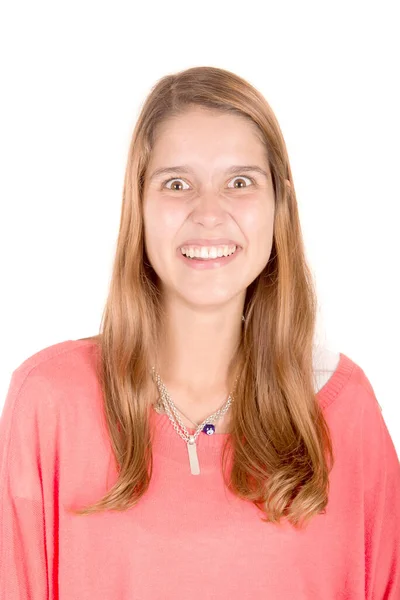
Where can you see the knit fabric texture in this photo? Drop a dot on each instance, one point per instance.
(188, 536)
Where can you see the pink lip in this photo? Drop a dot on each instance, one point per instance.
(209, 242)
(203, 265)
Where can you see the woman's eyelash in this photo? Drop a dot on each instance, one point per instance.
(236, 177)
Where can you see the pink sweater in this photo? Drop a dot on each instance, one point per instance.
(188, 538)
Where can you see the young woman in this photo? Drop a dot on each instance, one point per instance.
(203, 445)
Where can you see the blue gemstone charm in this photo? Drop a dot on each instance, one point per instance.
(209, 428)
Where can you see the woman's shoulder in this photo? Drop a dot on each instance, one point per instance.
(53, 372)
(55, 354)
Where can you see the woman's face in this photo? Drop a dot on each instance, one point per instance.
(203, 200)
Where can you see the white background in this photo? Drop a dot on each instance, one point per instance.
(74, 76)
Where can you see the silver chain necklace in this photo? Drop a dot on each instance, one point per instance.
(159, 409)
(207, 426)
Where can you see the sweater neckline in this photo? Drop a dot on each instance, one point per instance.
(168, 442)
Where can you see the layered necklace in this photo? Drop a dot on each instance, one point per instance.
(207, 426)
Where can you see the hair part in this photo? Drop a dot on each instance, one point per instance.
(280, 442)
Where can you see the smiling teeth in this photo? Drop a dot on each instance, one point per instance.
(207, 252)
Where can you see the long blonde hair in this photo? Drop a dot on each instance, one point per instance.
(281, 444)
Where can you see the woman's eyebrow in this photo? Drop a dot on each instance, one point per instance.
(231, 170)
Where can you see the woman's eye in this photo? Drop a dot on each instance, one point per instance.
(240, 178)
(168, 180)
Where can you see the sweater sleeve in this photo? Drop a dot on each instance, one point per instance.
(28, 533)
(381, 470)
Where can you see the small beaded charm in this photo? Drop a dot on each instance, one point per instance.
(208, 428)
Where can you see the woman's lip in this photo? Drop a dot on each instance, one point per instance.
(219, 261)
(214, 242)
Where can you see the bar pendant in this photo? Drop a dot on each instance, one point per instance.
(193, 458)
